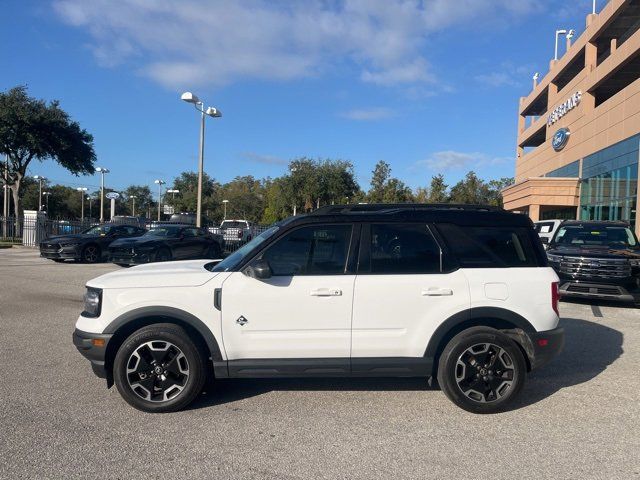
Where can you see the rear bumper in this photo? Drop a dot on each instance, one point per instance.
(540, 347)
(93, 347)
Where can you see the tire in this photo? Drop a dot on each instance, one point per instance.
(91, 253)
(163, 255)
(58, 260)
(159, 369)
(482, 370)
(123, 265)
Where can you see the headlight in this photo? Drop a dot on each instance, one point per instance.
(92, 302)
(554, 258)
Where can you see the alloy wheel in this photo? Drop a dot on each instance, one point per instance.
(91, 254)
(484, 372)
(157, 371)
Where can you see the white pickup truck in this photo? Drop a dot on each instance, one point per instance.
(237, 231)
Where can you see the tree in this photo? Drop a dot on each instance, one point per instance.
(380, 176)
(143, 199)
(437, 190)
(495, 190)
(187, 199)
(32, 129)
(246, 198)
(470, 190)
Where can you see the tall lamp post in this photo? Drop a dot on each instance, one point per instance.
(558, 33)
(90, 200)
(40, 179)
(224, 202)
(173, 192)
(46, 196)
(214, 113)
(81, 190)
(133, 205)
(159, 183)
(102, 171)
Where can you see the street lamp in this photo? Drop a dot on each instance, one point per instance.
(214, 113)
(40, 179)
(159, 183)
(173, 192)
(558, 33)
(47, 195)
(102, 171)
(133, 205)
(82, 190)
(90, 199)
(224, 202)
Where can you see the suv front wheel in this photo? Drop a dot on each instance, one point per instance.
(159, 369)
(481, 370)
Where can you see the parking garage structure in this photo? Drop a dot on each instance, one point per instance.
(579, 128)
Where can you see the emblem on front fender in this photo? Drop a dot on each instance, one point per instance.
(241, 320)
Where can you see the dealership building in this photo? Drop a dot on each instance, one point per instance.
(579, 128)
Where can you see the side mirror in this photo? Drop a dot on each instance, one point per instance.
(260, 269)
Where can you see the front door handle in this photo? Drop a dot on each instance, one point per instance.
(326, 292)
(437, 292)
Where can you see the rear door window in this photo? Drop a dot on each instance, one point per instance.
(489, 246)
(402, 249)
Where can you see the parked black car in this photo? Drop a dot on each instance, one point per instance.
(89, 246)
(165, 242)
(596, 260)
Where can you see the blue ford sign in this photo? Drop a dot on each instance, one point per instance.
(560, 139)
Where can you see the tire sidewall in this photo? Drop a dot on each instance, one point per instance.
(164, 332)
(449, 358)
(159, 254)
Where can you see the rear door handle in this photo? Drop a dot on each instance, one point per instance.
(326, 292)
(437, 292)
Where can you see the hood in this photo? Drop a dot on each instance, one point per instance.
(186, 273)
(69, 238)
(136, 241)
(594, 251)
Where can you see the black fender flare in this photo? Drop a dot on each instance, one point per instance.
(169, 313)
(481, 316)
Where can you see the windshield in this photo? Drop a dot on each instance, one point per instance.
(101, 230)
(595, 235)
(163, 232)
(236, 257)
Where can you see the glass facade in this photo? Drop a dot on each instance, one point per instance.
(572, 170)
(610, 182)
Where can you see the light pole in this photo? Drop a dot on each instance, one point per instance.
(159, 183)
(40, 179)
(224, 202)
(214, 113)
(558, 33)
(81, 190)
(103, 171)
(133, 205)
(90, 199)
(46, 196)
(173, 192)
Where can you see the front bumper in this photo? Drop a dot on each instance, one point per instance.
(598, 291)
(60, 253)
(93, 346)
(137, 258)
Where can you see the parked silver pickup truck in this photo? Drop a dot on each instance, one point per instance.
(237, 231)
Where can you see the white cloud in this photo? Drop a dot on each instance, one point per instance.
(190, 43)
(368, 114)
(452, 160)
(508, 75)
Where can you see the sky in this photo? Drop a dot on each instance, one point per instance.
(429, 86)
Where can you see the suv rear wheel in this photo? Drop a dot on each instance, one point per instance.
(159, 369)
(481, 370)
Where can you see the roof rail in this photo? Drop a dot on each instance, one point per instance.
(396, 207)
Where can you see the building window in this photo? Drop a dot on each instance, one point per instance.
(572, 170)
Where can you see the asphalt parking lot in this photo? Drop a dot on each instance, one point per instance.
(578, 418)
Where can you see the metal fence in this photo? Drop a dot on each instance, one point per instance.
(31, 230)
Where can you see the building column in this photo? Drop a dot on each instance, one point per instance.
(590, 56)
(534, 212)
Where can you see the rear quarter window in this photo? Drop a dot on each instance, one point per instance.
(490, 247)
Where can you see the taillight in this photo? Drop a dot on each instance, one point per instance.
(555, 297)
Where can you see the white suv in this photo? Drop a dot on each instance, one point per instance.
(461, 294)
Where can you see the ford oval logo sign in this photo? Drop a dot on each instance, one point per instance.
(560, 139)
